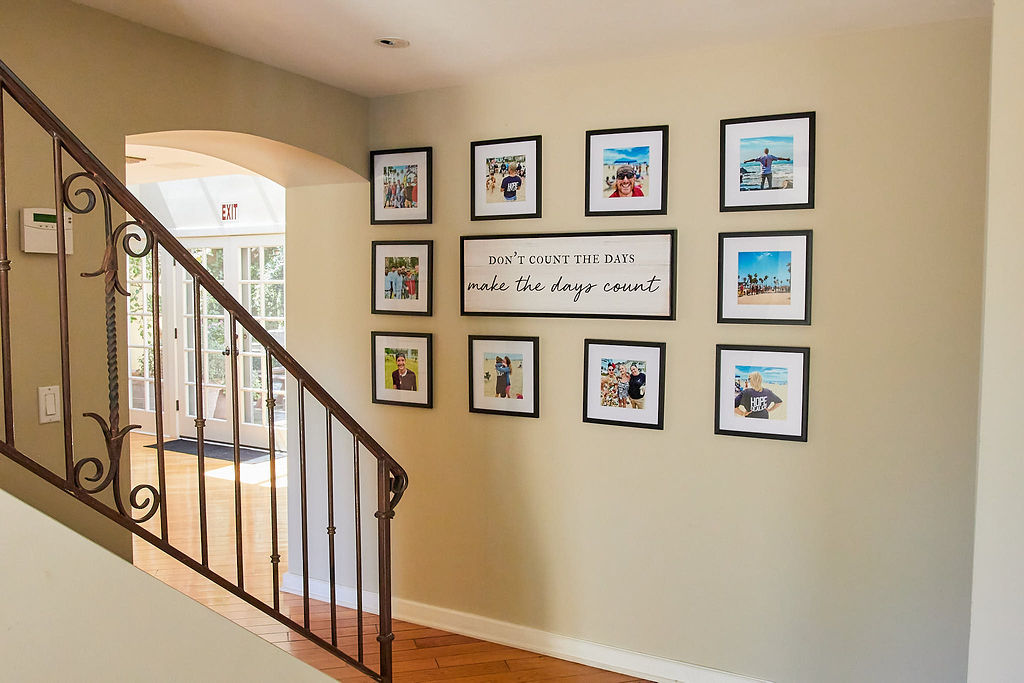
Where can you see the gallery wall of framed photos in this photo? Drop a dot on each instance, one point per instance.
(872, 311)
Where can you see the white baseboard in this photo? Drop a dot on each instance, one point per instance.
(319, 589)
(563, 647)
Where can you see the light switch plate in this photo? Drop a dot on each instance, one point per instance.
(49, 404)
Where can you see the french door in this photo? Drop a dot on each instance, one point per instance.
(251, 268)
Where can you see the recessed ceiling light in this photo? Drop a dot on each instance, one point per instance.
(391, 41)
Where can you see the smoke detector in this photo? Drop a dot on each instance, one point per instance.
(392, 42)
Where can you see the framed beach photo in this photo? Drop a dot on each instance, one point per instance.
(627, 171)
(400, 187)
(403, 277)
(765, 277)
(504, 375)
(761, 391)
(402, 368)
(505, 178)
(624, 383)
(767, 163)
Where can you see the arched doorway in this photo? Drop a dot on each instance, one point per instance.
(223, 196)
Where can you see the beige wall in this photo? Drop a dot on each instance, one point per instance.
(108, 78)
(847, 558)
(843, 559)
(116, 622)
(997, 629)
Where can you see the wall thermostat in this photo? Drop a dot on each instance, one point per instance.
(39, 231)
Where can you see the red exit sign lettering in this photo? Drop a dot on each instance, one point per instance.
(229, 212)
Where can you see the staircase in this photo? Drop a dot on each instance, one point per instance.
(100, 479)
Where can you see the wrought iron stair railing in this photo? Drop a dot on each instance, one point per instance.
(86, 479)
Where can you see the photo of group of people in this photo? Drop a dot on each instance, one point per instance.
(764, 278)
(503, 375)
(400, 190)
(623, 383)
(401, 187)
(401, 365)
(402, 274)
(767, 163)
(506, 179)
(760, 392)
(402, 277)
(626, 170)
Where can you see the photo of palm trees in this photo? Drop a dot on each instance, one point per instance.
(764, 277)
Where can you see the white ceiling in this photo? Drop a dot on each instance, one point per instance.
(457, 41)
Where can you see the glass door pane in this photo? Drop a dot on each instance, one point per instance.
(213, 320)
(262, 287)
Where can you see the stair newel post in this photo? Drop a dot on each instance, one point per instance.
(62, 295)
(5, 292)
(385, 513)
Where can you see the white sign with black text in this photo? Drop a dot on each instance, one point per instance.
(587, 275)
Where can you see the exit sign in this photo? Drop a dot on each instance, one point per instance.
(229, 212)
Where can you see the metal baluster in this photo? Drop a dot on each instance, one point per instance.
(275, 556)
(233, 352)
(159, 389)
(197, 320)
(5, 292)
(359, 545)
(384, 515)
(62, 294)
(302, 500)
(330, 527)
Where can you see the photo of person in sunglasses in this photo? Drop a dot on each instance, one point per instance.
(626, 183)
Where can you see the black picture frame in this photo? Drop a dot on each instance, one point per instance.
(594, 204)
(598, 408)
(422, 396)
(671, 233)
(799, 196)
(800, 246)
(380, 214)
(380, 303)
(479, 400)
(791, 428)
(530, 145)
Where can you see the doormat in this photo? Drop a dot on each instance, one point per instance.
(216, 451)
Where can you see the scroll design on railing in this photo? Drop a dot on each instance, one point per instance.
(399, 483)
(113, 433)
(112, 474)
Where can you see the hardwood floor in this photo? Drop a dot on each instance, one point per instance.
(420, 654)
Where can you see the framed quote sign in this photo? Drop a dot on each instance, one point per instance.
(629, 274)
